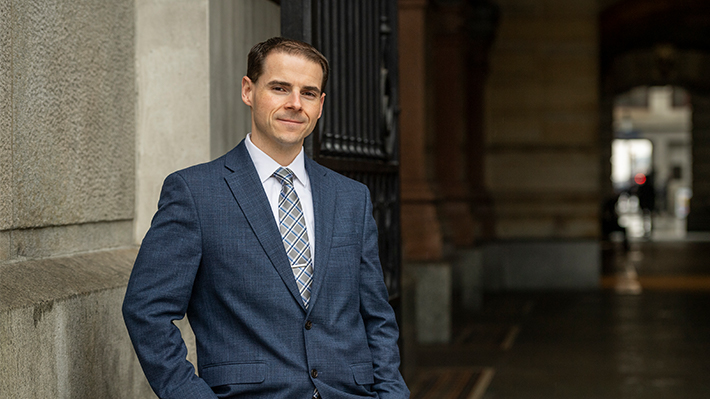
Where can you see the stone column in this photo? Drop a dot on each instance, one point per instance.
(699, 216)
(481, 25)
(462, 34)
(449, 75)
(421, 232)
(173, 90)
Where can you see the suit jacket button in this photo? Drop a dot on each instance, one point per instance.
(314, 373)
(309, 324)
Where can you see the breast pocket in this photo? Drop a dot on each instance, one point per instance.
(345, 240)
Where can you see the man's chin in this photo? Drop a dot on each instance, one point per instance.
(295, 141)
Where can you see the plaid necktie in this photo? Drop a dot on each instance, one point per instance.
(292, 225)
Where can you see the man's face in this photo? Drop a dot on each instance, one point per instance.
(286, 102)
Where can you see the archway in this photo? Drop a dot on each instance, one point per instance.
(651, 161)
(657, 44)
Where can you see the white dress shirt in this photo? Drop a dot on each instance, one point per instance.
(266, 166)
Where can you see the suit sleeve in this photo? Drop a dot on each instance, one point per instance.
(379, 318)
(159, 290)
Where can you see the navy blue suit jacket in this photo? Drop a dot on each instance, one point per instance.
(214, 252)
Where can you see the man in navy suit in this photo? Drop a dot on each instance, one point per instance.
(272, 257)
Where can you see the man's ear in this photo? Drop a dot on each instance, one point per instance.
(322, 100)
(247, 90)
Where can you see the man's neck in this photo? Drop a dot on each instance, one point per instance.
(281, 154)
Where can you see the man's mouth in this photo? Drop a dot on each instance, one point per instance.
(289, 120)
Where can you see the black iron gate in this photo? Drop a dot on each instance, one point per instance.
(358, 132)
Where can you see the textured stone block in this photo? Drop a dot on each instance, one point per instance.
(542, 226)
(77, 348)
(513, 63)
(578, 8)
(31, 282)
(546, 204)
(5, 117)
(543, 265)
(576, 67)
(557, 30)
(532, 226)
(421, 232)
(528, 96)
(62, 332)
(73, 112)
(510, 127)
(433, 302)
(468, 278)
(548, 8)
(563, 97)
(5, 246)
(570, 128)
(64, 240)
(566, 170)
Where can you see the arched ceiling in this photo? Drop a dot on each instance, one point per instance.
(630, 24)
(662, 32)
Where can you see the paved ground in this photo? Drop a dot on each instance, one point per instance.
(644, 334)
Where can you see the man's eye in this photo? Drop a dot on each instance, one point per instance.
(310, 94)
(277, 88)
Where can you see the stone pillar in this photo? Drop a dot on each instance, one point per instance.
(449, 71)
(699, 216)
(481, 25)
(421, 232)
(463, 31)
(173, 114)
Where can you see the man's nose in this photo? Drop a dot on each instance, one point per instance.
(294, 100)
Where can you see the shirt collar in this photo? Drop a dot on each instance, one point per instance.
(266, 166)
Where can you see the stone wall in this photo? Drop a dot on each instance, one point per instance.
(99, 101)
(542, 118)
(67, 127)
(61, 330)
(67, 183)
(542, 158)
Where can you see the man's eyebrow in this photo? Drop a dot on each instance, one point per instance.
(312, 88)
(279, 83)
(287, 84)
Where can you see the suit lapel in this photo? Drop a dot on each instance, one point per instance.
(249, 192)
(324, 214)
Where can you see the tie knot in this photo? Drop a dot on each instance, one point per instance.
(284, 175)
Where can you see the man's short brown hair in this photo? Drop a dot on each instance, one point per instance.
(258, 53)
